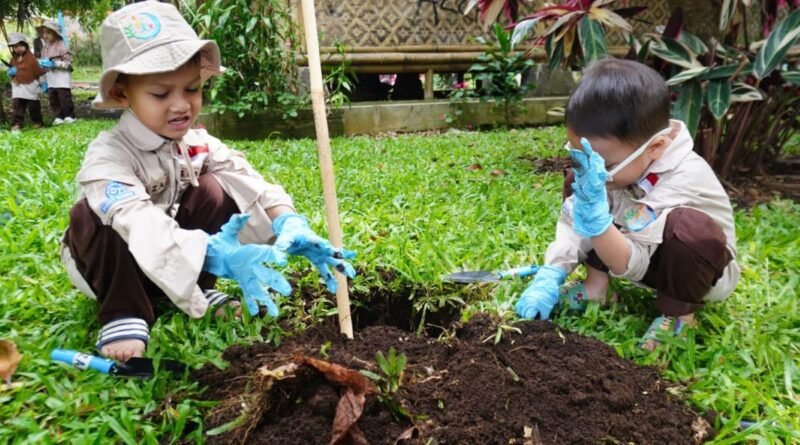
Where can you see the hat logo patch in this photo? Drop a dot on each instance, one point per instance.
(142, 26)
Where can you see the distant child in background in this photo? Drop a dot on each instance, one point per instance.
(25, 72)
(57, 60)
(643, 205)
(38, 43)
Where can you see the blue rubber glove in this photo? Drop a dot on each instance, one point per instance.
(541, 295)
(296, 238)
(44, 87)
(12, 71)
(227, 258)
(46, 63)
(590, 212)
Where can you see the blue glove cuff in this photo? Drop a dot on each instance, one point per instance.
(277, 224)
(596, 229)
(550, 275)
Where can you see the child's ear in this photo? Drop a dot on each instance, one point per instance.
(118, 94)
(658, 147)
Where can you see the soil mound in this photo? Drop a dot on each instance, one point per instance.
(539, 386)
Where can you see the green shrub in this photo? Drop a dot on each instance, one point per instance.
(258, 45)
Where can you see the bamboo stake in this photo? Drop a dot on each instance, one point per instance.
(325, 160)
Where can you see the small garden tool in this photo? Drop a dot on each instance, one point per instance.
(485, 276)
(139, 367)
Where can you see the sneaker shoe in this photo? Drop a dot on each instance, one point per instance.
(58, 121)
(69, 120)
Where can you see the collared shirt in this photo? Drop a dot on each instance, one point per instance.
(679, 178)
(133, 180)
(59, 76)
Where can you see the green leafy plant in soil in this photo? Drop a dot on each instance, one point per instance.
(416, 206)
(389, 379)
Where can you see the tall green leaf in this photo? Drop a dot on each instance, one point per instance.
(693, 42)
(726, 13)
(555, 52)
(726, 71)
(685, 75)
(688, 105)
(792, 77)
(718, 97)
(778, 43)
(522, 30)
(593, 39)
(674, 52)
(742, 92)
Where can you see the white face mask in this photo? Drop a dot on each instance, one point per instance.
(632, 157)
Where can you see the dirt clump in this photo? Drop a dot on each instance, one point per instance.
(540, 386)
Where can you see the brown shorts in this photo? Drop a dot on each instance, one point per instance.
(690, 260)
(103, 258)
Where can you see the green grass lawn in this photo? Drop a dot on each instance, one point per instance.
(86, 73)
(409, 204)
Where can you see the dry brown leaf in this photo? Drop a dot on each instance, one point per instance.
(9, 359)
(498, 172)
(279, 373)
(351, 404)
(475, 167)
(407, 434)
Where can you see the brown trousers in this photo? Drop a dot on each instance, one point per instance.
(19, 106)
(103, 258)
(687, 264)
(61, 102)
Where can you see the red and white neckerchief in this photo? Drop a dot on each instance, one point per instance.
(644, 186)
(648, 182)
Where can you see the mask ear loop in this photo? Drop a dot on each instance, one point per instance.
(633, 156)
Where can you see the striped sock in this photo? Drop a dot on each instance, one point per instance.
(128, 328)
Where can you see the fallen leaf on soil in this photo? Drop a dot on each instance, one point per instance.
(279, 373)
(351, 404)
(407, 434)
(498, 172)
(9, 359)
(475, 167)
(701, 429)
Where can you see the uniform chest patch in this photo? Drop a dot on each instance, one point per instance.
(115, 192)
(638, 217)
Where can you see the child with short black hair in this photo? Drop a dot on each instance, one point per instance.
(25, 73)
(163, 209)
(57, 60)
(643, 205)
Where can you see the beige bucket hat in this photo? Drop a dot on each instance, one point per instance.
(15, 38)
(147, 38)
(52, 25)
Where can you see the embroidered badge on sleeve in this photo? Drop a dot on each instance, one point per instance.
(638, 217)
(115, 192)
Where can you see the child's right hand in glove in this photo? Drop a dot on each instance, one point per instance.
(542, 294)
(227, 258)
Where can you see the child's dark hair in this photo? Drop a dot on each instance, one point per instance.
(621, 99)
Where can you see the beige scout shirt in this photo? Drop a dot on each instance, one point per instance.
(684, 180)
(59, 76)
(133, 179)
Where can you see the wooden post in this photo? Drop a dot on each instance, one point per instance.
(429, 85)
(325, 160)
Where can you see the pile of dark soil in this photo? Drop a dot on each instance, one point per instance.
(540, 386)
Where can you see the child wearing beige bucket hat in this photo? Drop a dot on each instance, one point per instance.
(57, 60)
(163, 209)
(25, 75)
